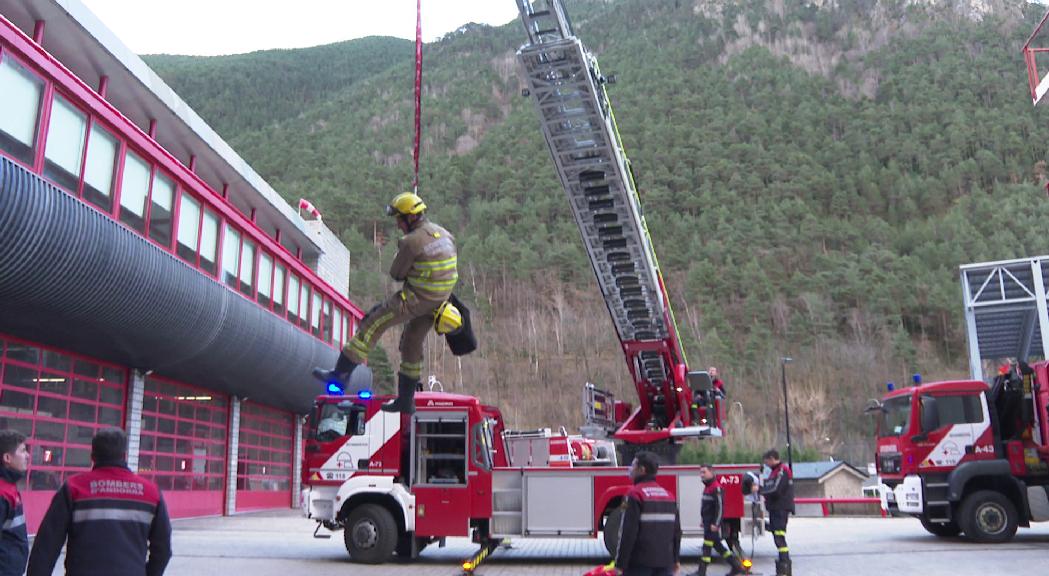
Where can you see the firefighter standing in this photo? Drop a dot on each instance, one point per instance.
(711, 512)
(650, 534)
(778, 490)
(14, 540)
(426, 263)
(112, 520)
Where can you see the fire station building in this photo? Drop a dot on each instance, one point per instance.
(149, 278)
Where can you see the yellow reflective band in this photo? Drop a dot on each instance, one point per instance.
(705, 559)
(418, 281)
(783, 549)
(370, 332)
(727, 554)
(446, 264)
(779, 532)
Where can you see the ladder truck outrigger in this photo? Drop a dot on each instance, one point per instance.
(396, 482)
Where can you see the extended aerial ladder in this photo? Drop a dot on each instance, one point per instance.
(568, 88)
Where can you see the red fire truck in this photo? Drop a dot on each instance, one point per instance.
(397, 482)
(963, 456)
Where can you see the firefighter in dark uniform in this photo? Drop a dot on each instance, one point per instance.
(426, 264)
(113, 521)
(14, 540)
(778, 491)
(711, 512)
(650, 534)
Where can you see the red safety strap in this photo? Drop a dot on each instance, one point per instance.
(418, 87)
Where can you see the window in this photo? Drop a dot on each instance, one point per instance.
(188, 227)
(247, 266)
(315, 314)
(336, 327)
(20, 95)
(326, 324)
(293, 297)
(942, 411)
(304, 306)
(60, 404)
(230, 254)
(160, 209)
(440, 454)
(65, 144)
(265, 279)
(183, 436)
(209, 243)
(278, 289)
(134, 188)
(98, 170)
(265, 457)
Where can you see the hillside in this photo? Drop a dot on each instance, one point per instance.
(813, 173)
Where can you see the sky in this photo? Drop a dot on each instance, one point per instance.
(212, 27)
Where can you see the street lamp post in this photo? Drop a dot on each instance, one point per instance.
(786, 408)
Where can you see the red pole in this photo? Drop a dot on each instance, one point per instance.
(418, 87)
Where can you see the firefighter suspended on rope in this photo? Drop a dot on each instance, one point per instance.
(426, 264)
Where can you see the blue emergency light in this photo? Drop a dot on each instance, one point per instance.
(364, 394)
(334, 389)
(917, 378)
(891, 386)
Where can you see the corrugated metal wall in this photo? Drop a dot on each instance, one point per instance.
(74, 278)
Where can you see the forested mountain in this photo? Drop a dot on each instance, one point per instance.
(813, 173)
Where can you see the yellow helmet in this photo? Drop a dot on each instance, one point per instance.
(405, 204)
(447, 319)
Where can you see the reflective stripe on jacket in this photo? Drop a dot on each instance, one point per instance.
(713, 505)
(14, 540)
(426, 261)
(116, 524)
(650, 534)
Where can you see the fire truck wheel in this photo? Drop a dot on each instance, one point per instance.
(370, 534)
(610, 532)
(941, 529)
(987, 516)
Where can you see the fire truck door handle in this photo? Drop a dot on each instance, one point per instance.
(969, 449)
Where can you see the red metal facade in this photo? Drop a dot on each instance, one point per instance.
(183, 448)
(264, 457)
(58, 401)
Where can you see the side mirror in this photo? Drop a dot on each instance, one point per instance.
(873, 406)
(700, 380)
(930, 419)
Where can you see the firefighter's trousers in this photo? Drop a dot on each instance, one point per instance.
(778, 523)
(401, 307)
(712, 540)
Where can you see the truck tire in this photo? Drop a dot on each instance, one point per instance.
(370, 534)
(987, 516)
(941, 529)
(610, 533)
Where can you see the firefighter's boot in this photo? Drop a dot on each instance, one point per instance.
(783, 567)
(737, 566)
(340, 375)
(405, 401)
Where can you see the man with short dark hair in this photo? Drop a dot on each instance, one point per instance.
(650, 534)
(14, 540)
(711, 510)
(778, 491)
(111, 517)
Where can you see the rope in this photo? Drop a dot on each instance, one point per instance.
(418, 89)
